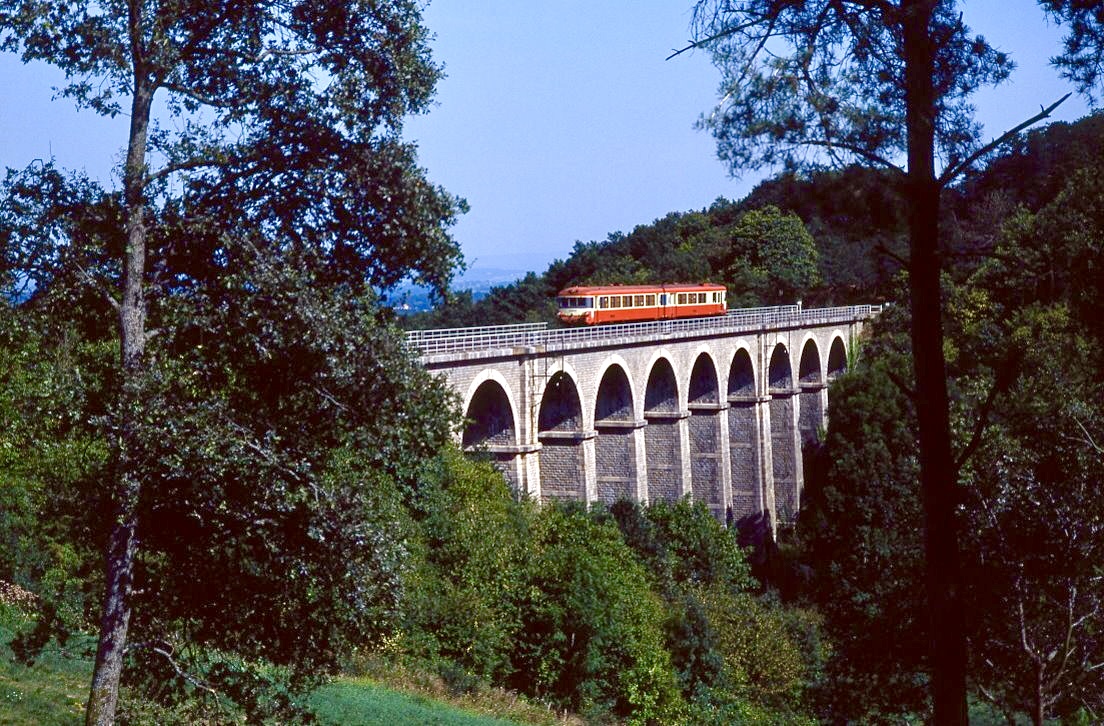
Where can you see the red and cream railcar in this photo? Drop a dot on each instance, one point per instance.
(630, 303)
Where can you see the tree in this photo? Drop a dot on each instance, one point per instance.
(767, 257)
(860, 529)
(1034, 509)
(872, 81)
(593, 635)
(1024, 359)
(287, 124)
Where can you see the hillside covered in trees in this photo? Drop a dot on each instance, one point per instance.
(224, 477)
(829, 237)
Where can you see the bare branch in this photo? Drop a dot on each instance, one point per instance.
(1088, 437)
(95, 285)
(881, 249)
(858, 151)
(957, 169)
(1006, 375)
(165, 650)
(716, 36)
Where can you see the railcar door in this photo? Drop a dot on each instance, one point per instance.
(665, 306)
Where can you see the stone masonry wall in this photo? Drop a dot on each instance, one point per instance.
(661, 442)
(744, 447)
(705, 460)
(604, 387)
(613, 453)
(783, 456)
(809, 415)
(561, 471)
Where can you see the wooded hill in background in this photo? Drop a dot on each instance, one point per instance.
(833, 237)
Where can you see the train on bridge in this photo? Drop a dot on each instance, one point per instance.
(633, 303)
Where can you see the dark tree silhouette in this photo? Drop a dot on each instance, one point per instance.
(285, 120)
(882, 82)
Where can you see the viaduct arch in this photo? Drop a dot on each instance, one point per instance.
(718, 409)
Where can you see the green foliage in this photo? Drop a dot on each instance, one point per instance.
(735, 652)
(1034, 377)
(763, 663)
(767, 257)
(835, 78)
(52, 455)
(1024, 347)
(274, 527)
(463, 601)
(862, 539)
(593, 636)
(856, 217)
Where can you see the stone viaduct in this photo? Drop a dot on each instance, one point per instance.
(715, 408)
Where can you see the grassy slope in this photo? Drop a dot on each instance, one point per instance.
(358, 702)
(50, 693)
(53, 691)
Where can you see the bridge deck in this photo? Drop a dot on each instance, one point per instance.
(472, 342)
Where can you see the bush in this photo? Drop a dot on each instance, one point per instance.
(462, 604)
(593, 639)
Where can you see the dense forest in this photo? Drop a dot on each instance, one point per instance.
(224, 478)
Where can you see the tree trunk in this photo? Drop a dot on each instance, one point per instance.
(942, 568)
(1039, 712)
(119, 559)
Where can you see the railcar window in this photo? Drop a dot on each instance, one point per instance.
(615, 301)
(638, 301)
(588, 302)
(682, 298)
(603, 302)
(650, 301)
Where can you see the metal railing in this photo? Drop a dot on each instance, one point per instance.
(497, 337)
(476, 338)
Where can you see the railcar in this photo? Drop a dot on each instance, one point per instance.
(631, 303)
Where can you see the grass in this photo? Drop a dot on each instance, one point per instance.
(52, 692)
(361, 702)
(420, 684)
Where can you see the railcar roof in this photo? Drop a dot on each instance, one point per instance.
(639, 289)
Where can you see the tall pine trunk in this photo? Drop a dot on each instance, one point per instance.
(946, 635)
(119, 558)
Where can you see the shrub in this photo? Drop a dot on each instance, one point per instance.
(593, 639)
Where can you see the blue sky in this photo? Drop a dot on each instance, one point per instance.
(559, 120)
